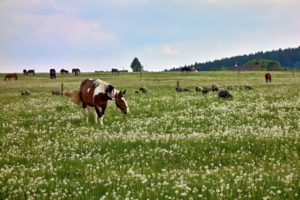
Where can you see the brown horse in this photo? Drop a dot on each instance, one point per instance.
(268, 77)
(96, 93)
(12, 75)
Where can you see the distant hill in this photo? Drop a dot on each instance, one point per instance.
(287, 58)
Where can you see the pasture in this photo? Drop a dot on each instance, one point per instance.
(172, 145)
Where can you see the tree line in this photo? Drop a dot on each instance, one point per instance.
(287, 58)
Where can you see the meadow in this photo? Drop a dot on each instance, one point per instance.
(171, 146)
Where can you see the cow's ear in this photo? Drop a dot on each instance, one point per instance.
(124, 92)
(109, 88)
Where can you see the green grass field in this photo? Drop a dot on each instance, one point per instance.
(171, 146)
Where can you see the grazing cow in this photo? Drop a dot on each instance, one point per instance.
(268, 77)
(115, 71)
(25, 72)
(11, 75)
(63, 71)
(52, 74)
(76, 71)
(31, 71)
(96, 93)
(185, 69)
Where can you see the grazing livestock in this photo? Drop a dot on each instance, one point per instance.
(52, 74)
(96, 93)
(268, 77)
(11, 75)
(224, 94)
(25, 72)
(31, 71)
(115, 71)
(185, 69)
(76, 71)
(63, 71)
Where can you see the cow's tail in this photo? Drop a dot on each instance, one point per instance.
(74, 96)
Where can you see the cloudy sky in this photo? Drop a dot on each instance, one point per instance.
(101, 34)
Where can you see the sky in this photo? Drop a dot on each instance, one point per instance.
(103, 34)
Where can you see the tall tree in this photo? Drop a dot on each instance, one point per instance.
(136, 66)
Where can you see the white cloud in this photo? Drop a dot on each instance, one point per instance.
(169, 50)
(73, 31)
(58, 23)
